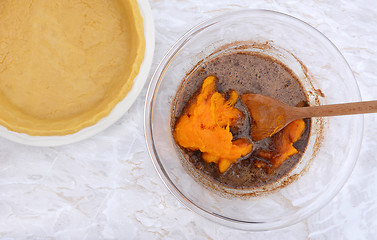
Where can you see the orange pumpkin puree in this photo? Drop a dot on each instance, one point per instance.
(283, 143)
(205, 126)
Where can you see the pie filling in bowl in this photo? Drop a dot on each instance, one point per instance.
(64, 65)
(208, 50)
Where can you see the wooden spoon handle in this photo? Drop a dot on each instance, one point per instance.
(337, 109)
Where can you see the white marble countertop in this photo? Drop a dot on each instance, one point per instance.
(106, 187)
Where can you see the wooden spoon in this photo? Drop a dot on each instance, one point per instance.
(269, 115)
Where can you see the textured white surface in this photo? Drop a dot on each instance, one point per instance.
(106, 187)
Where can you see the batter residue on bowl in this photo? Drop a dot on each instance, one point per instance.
(64, 65)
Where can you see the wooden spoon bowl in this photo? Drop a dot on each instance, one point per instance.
(270, 115)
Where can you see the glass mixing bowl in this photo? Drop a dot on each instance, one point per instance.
(334, 142)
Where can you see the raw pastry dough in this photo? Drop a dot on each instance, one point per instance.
(65, 64)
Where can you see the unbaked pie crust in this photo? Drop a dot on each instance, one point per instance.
(64, 65)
